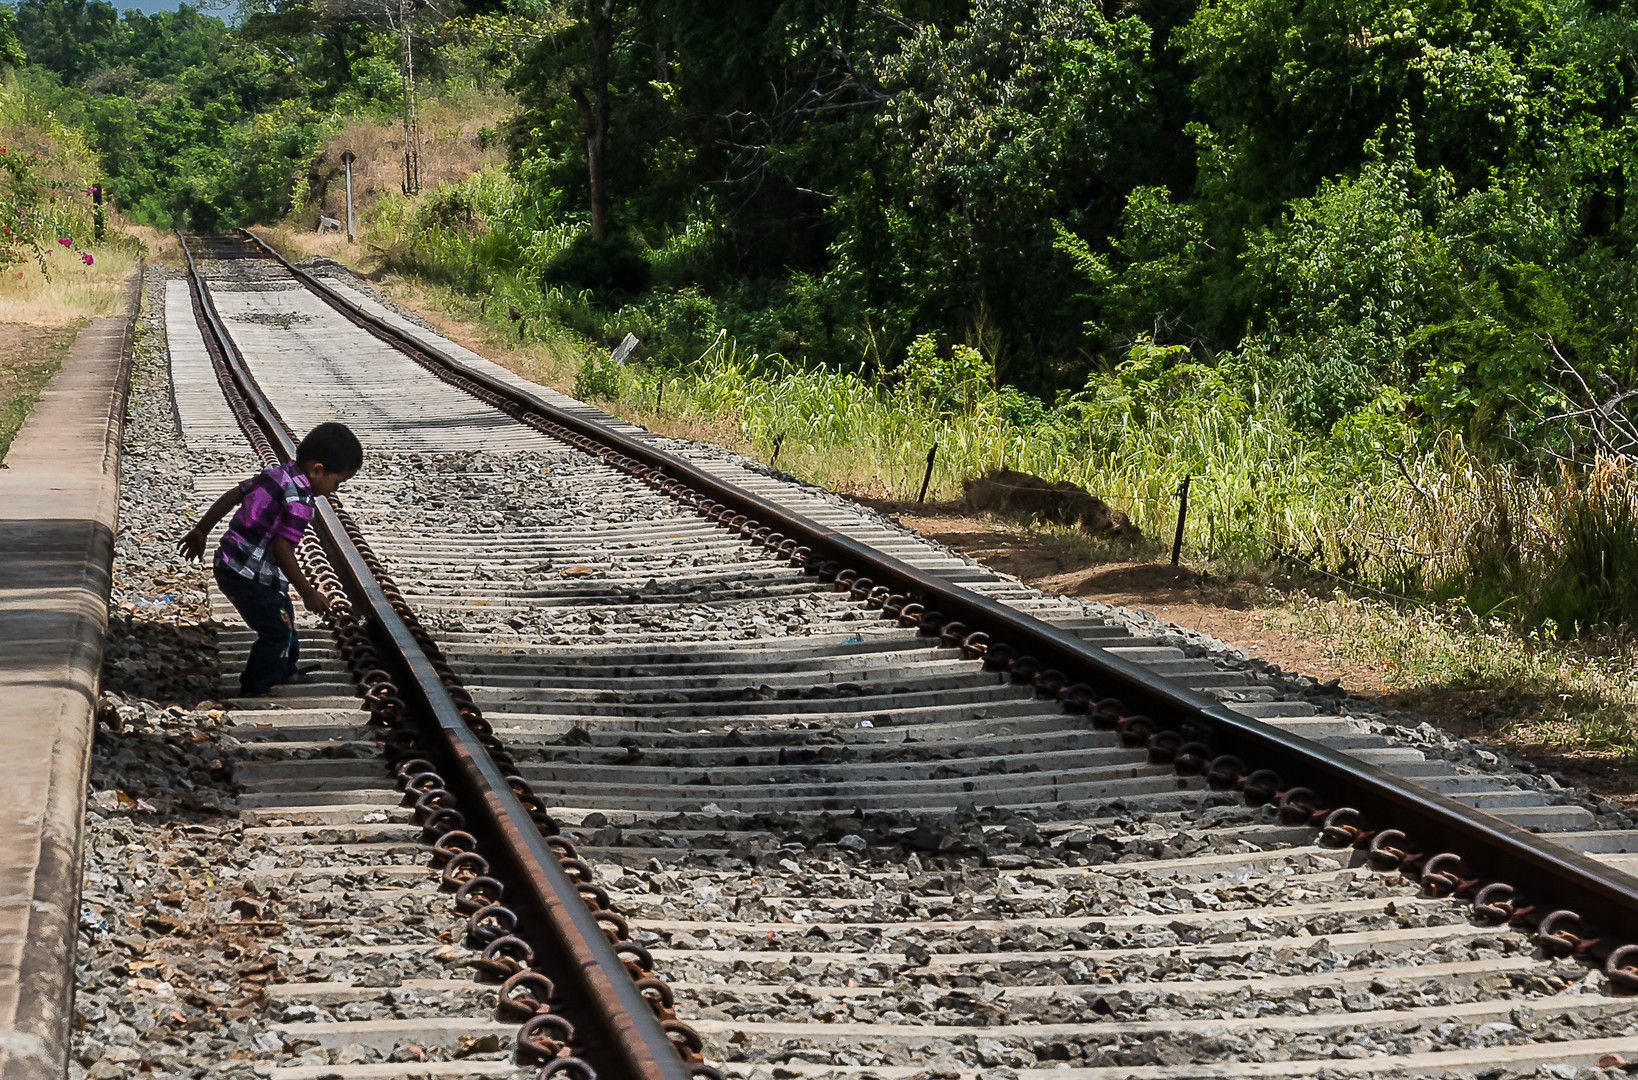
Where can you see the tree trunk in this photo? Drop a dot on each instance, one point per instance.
(594, 114)
(597, 141)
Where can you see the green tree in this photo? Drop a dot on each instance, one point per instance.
(1351, 274)
(11, 50)
(1027, 112)
(1145, 286)
(70, 38)
(584, 54)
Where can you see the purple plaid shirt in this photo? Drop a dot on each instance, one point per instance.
(277, 502)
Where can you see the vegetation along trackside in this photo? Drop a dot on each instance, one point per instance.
(1362, 270)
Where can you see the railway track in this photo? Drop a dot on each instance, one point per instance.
(868, 808)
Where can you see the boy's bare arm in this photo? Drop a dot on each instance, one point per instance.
(284, 552)
(192, 546)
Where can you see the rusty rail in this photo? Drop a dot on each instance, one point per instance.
(566, 938)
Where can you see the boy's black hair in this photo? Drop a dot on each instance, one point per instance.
(333, 446)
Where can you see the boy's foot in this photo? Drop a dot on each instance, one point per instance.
(299, 678)
(308, 669)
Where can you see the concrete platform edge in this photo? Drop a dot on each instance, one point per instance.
(37, 1045)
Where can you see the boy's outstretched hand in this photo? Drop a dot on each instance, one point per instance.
(316, 602)
(192, 546)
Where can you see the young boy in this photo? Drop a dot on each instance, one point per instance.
(256, 561)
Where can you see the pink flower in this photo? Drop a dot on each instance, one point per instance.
(66, 241)
(85, 257)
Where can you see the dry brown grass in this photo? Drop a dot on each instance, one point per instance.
(449, 151)
(73, 291)
(29, 356)
(295, 242)
(160, 244)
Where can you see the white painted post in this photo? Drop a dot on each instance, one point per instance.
(347, 159)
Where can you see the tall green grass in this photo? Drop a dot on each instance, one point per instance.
(1259, 486)
(1558, 551)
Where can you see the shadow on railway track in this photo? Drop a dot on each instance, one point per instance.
(168, 662)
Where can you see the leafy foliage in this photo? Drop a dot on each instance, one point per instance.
(11, 50)
(611, 268)
(1326, 201)
(187, 127)
(992, 130)
(1323, 200)
(597, 378)
(20, 224)
(942, 383)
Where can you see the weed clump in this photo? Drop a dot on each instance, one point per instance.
(1560, 556)
(598, 377)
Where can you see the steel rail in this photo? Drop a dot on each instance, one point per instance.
(631, 1037)
(1491, 849)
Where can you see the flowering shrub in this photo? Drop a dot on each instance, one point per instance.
(19, 208)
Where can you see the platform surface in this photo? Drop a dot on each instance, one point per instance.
(59, 504)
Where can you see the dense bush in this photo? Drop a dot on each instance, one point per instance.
(21, 227)
(46, 172)
(1329, 203)
(613, 269)
(597, 378)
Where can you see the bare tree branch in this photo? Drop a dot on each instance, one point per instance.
(1399, 460)
(832, 86)
(1601, 414)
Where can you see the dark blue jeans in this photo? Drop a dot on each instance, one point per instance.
(267, 611)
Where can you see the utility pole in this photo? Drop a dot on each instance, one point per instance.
(412, 125)
(347, 159)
